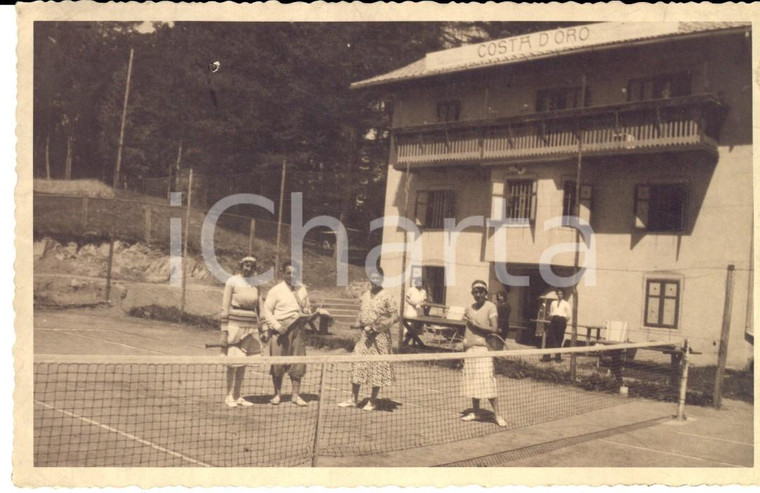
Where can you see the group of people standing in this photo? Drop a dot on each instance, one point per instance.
(276, 324)
(247, 324)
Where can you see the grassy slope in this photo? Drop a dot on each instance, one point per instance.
(63, 219)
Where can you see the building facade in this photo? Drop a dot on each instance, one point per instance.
(656, 119)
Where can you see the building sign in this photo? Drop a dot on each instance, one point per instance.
(539, 43)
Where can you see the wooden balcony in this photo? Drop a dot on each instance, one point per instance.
(685, 123)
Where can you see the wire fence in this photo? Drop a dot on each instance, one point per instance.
(149, 222)
(323, 193)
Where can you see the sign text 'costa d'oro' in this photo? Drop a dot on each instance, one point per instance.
(538, 43)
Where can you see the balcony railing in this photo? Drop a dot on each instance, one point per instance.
(684, 123)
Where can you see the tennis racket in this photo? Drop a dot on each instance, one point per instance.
(495, 343)
(371, 334)
(317, 300)
(248, 344)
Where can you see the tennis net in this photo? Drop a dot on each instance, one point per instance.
(138, 411)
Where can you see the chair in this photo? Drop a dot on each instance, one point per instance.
(443, 336)
(615, 331)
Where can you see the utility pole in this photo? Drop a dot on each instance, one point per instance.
(117, 171)
(402, 301)
(184, 255)
(577, 212)
(279, 218)
(173, 172)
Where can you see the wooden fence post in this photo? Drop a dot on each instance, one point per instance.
(724, 331)
(335, 246)
(147, 224)
(84, 213)
(110, 267)
(251, 236)
(184, 256)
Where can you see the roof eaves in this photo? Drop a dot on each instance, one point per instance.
(417, 69)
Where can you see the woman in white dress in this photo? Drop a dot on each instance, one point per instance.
(478, 381)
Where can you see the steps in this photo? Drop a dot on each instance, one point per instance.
(344, 311)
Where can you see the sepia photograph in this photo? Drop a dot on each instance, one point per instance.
(345, 243)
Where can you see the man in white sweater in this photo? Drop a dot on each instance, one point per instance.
(288, 302)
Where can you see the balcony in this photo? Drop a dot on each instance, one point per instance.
(684, 123)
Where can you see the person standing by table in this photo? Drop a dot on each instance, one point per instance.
(414, 306)
(377, 314)
(560, 313)
(288, 302)
(241, 326)
(478, 380)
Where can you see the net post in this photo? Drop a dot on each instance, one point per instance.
(681, 416)
(320, 415)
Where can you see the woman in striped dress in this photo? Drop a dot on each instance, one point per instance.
(242, 313)
(377, 314)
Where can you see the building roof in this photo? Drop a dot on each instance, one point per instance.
(545, 44)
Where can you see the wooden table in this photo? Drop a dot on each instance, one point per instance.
(589, 329)
(457, 325)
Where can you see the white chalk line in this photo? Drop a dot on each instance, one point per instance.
(124, 434)
(670, 453)
(716, 438)
(111, 342)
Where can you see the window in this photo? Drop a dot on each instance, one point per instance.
(568, 202)
(660, 207)
(660, 87)
(434, 278)
(662, 299)
(521, 201)
(561, 98)
(448, 111)
(433, 206)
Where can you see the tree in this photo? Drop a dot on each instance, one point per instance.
(281, 91)
(74, 63)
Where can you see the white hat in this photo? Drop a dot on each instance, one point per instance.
(480, 284)
(248, 259)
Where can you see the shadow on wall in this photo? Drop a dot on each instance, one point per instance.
(674, 180)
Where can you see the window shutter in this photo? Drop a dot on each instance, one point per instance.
(641, 207)
(586, 193)
(684, 206)
(420, 208)
(498, 200)
(533, 200)
(450, 205)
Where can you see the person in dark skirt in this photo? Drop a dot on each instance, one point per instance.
(560, 314)
(504, 309)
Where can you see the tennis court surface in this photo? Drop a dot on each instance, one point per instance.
(164, 410)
